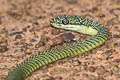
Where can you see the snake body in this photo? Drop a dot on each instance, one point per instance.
(75, 23)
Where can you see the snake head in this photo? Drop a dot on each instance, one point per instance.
(74, 23)
(63, 21)
(59, 21)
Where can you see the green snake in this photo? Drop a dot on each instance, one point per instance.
(75, 23)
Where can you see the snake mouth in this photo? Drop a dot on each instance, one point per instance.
(57, 25)
(62, 26)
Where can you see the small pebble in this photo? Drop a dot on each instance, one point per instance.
(100, 52)
(92, 69)
(100, 70)
(28, 51)
(109, 52)
(14, 14)
(18, 36)
(35, 23)
(3, 48)
(115, 69)
(117, 44)
(116, 35)
(101, 15)
(76, 63)
(85, 75)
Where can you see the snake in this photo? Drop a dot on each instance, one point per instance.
(98, 35)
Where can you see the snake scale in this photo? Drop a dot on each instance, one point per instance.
(75, 23)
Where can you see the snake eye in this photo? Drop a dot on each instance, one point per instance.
(65, 21)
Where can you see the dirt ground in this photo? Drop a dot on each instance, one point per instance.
(25, 30)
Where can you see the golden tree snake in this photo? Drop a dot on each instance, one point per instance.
(74, 23)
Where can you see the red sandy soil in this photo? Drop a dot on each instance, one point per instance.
(25, 30)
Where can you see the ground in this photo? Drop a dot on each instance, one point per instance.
(25, 30)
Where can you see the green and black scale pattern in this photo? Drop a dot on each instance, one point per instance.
(45, 57)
